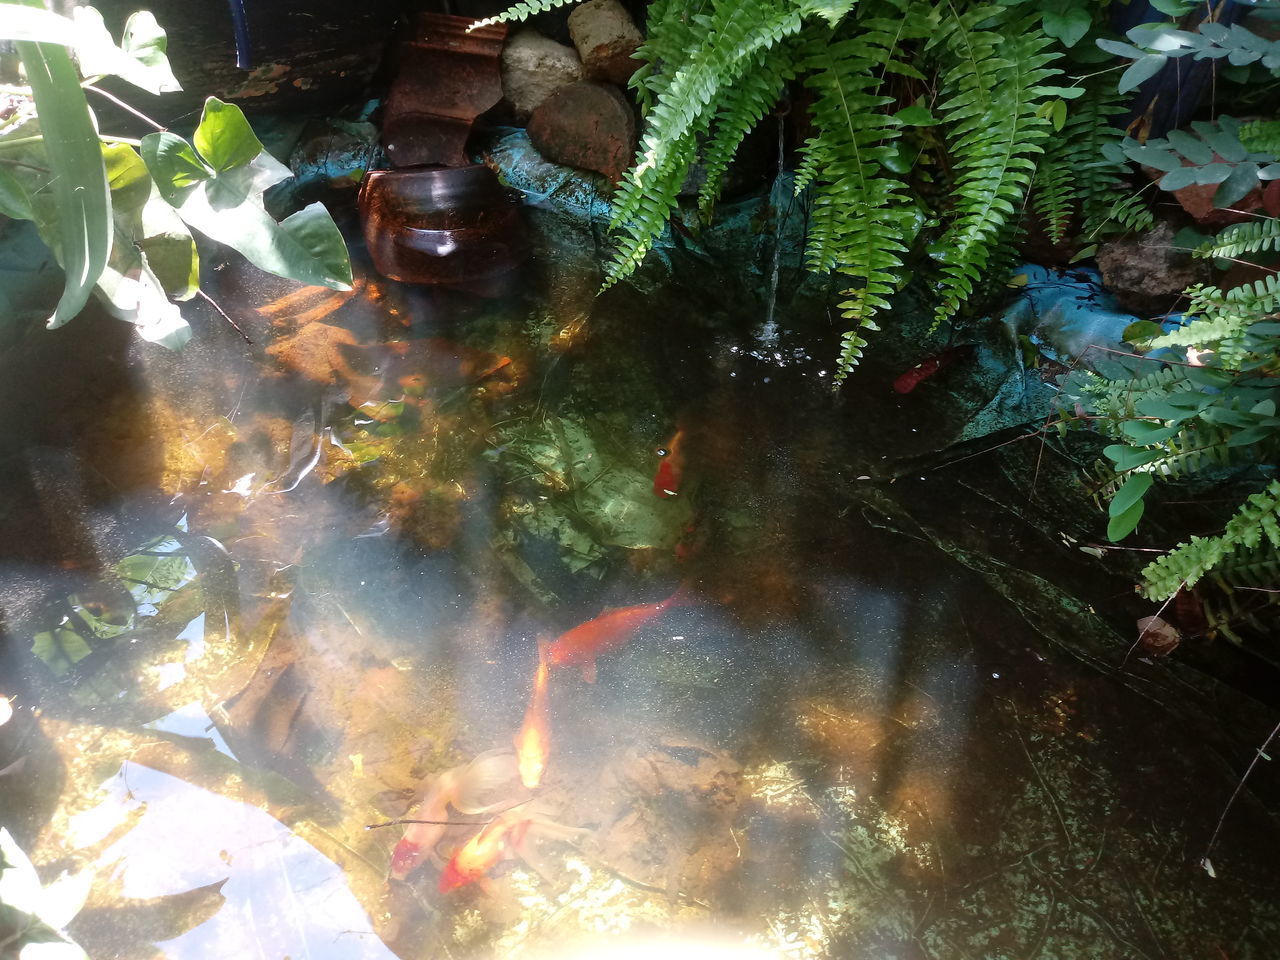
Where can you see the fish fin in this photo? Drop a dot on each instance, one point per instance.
(589, 671)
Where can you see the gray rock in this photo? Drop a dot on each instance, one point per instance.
(606, 37)
(1147, 274)
(533, 68)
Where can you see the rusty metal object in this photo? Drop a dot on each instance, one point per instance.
(445, 79)
(457, 226)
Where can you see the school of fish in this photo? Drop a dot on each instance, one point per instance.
(501, 782)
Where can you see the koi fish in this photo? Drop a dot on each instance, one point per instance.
(533, 742)
(666, 482)
(608, 632)
(925, 369)
(511, 835)
(469, 789)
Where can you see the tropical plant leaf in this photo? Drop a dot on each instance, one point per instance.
(79, 179)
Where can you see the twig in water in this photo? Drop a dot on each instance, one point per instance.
(442, 823)
(1262, 751)
(234, 326)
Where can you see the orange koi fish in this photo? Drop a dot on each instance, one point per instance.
(470, 789)
(666, 482)
(608, 632)
(513, 834)
(533, 742)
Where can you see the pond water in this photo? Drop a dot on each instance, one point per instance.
(853, 701)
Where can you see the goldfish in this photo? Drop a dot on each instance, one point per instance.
(610, 631)
(666, 482)
(465, 788)
(511, 834)
(533, 742)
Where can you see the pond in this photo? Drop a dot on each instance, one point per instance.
(783, 681)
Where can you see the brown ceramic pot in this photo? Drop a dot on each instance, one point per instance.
(456, 225)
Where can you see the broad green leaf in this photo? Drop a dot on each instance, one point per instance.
(144, 40)
(15, 202)
(1129, 458)
(1243, 179)
(1067, 24)
(153, 260)
(1213, 173)
(1122, 524)
(226, 204)
(1193, 148)
(1140, 71)
(1225, 145)
(224, 138)
(1264, 408)
(20, 21)
(1270, 172)
(915, 116)
(1121, 49)
(173, 164)
(79, 184)
(1130, 492)
(99, 56)
(314, 230)
(1141, 330)
(1162, 160)
(1147, 432)
(1173, 8)
(1251, 435)
(1177, 179)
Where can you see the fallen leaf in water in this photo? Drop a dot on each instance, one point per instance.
(1157, 636)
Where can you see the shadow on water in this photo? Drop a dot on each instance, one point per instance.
(267, 593)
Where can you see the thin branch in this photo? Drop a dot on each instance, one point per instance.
(124, 106)
(234, 326)
(1262, 751)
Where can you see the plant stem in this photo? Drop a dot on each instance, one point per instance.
(123, 106)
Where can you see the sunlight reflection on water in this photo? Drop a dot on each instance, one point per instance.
(188, 837)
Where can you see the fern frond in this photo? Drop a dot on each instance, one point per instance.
(520, 11)
(728, 40)
(1241, 238)
(993, 134)
(1250, 567)
(1261, 136)
(1073, 176)
(1255, 523)
(1261, 298)
(861, 218)
(669, 36)
(744, 105)
(1205, 331)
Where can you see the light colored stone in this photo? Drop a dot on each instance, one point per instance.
(533, 68)
(606, 37)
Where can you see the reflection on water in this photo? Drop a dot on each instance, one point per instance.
(390, 634)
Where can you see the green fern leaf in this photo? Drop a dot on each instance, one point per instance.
(1255, 523)
(520, 11)
(1242, 238)
(993, 134)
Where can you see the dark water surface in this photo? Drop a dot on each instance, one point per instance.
(262, 595)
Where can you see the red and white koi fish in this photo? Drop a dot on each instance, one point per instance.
(670, 474)
(608, 632)
(533, 742)
(469, 789)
